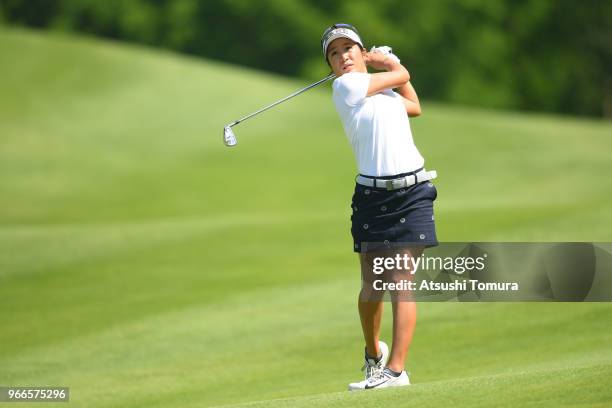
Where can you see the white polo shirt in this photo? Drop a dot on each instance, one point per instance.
(377, 127)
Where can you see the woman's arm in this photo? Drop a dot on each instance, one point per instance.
(410, 99)
(394, 77)
(397, 76)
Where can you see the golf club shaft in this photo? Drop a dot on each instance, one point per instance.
(327, 78)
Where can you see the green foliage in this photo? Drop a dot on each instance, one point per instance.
(546, 55)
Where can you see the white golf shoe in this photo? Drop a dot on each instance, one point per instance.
(382, 379)
(372, 366)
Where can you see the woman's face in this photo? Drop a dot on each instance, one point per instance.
(345, 56)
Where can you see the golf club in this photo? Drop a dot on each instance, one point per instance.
(229, 138)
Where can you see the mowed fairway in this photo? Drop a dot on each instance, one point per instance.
(144, 264)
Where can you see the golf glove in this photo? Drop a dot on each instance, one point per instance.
(385, 50)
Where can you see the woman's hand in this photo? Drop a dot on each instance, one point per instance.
(379, 61)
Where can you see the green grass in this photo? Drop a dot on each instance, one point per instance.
(144, 264)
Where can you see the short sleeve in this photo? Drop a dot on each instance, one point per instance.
(351, 89)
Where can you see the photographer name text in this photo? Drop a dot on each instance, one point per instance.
(458, 285)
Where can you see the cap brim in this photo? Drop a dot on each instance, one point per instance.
(351, 35)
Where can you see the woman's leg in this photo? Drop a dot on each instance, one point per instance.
(370, 306)
(404, 314)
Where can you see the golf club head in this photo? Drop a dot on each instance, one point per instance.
(229, 138)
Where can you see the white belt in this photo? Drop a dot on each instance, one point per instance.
(400, 182)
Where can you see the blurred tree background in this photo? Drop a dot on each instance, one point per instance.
(540, 55)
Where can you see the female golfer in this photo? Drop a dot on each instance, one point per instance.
(392, 204)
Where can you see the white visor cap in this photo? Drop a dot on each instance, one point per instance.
(340, 32)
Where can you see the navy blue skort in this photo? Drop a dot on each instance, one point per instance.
(394, 219)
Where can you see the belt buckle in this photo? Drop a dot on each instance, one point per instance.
(393, 184)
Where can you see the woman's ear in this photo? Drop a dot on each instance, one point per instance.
(364, 54)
